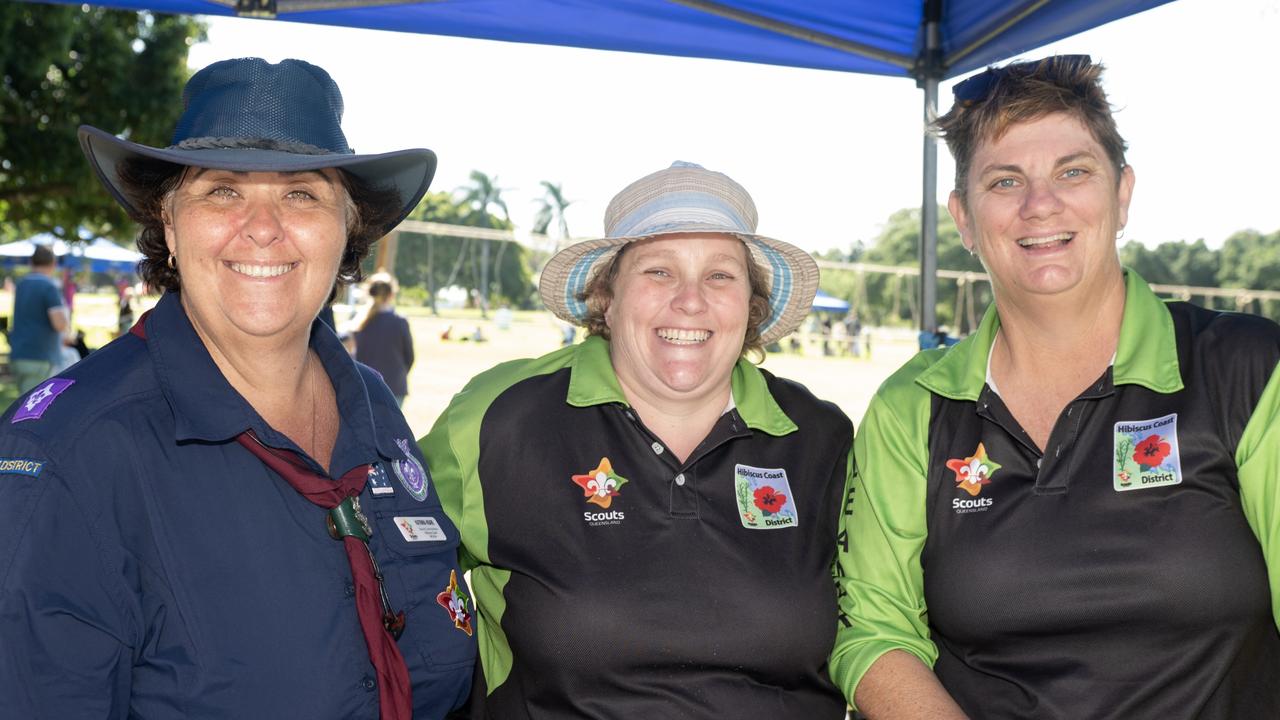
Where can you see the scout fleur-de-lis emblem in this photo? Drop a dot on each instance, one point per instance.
(974, 471)
(601, 485)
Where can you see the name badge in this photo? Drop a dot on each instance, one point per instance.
(420, 529)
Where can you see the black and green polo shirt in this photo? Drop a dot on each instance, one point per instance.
(1127, 571)
(614, 581)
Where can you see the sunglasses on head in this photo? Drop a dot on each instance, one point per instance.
(977, 88)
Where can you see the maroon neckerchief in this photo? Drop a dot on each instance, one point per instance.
(395, 692)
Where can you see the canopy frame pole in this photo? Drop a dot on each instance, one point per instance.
(1018, 16)
(929, 71)
(800, 33)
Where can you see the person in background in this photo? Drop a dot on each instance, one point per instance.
(384, 341)
(651, 519)
(40, 319)
(1072, 513)
(220, 514)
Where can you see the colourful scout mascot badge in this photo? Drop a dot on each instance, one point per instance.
(456, 602)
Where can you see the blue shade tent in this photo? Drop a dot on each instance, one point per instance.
(99, 255)
(829, 303)
(929, 40)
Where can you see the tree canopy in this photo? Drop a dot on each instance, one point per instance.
(63, 66)
(434, 262)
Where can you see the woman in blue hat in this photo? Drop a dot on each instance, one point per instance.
(220, 514)
(650, 518)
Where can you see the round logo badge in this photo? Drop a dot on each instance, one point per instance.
(413, 476)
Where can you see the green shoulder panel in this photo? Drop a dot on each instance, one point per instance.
(879, 577)
(1258, 463)
(452, 449)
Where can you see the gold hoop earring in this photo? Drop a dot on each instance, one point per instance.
(170, 262)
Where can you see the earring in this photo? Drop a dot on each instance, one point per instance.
(170, 262)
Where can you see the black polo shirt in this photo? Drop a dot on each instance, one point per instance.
(614, 581)
(1128, 571)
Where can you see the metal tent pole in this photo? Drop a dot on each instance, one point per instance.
(929, 72)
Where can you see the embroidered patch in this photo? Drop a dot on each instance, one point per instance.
(420, 529)
(600, 486)
(456, 602)
(21, 466)
(972, 473)
(765, 500)
(379, 481)
(40, 399)
(413, 476)
(1146, 454)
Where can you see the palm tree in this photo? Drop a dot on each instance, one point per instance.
(481, 194)
(552, 209)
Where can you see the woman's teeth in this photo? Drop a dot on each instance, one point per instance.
(261, 271)
(1029, 242)
(683, 337)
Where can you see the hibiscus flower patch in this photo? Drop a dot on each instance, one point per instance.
(765, 500)
(1146, 454)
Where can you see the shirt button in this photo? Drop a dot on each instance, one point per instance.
(680, 479)
(350, 590)
(657, 448)
(367, 683)
(1038, 461)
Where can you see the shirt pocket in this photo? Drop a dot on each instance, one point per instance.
(419, 564)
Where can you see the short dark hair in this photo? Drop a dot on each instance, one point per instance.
(598, 294)
(42, 256)
(1026, 91)
(150, 183)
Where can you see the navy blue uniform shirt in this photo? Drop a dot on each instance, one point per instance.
(151, 567)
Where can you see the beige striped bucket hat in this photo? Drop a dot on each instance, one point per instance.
(684, 198)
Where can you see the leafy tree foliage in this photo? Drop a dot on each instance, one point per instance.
(66, 65)
(881, 299)
(1248, 259)
(437, 261)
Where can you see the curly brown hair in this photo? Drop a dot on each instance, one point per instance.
(1026, 91)
(598, 294)
(151, 183)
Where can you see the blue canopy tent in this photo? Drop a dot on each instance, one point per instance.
(823, 302)
(929, 40)
(98, 255)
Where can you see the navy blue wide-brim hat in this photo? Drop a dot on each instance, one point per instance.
(250, 115)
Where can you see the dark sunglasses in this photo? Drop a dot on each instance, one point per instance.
(978, 88)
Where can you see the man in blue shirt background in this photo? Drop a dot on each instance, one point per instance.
(39, 319)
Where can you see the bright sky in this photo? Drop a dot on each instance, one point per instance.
(827, 156)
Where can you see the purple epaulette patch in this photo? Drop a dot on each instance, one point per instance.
(40, 399)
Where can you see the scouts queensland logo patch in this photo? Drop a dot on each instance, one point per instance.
(1146, 454)
(765, 500)
(972, 473)
(413, 476)
(600, 486)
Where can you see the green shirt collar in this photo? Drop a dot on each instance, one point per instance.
(1147, 353)
(593, 382)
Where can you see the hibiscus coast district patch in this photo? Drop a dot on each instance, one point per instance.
(1146, 454)
(764, 497)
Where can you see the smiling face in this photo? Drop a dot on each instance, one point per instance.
(257, 252)
(679, 315)
(1043, 208)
